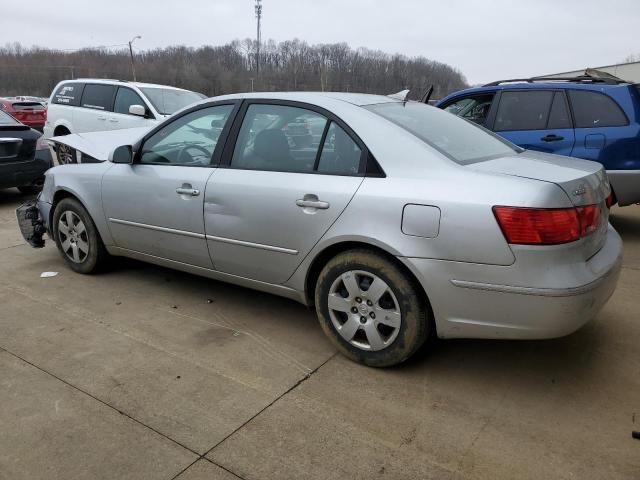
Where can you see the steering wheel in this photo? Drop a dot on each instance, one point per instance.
(185, 151)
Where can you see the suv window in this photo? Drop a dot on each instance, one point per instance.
(68, 94)
(189, 140)
(126, 98)
(523, 110)
(99, 97)
(278, 138)
(475, 109)
(593, 109)
(340, 154)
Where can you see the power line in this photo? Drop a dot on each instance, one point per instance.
(99, 47)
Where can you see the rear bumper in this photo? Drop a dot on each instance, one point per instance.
(480, 301)
(18, 174)
(626, 185)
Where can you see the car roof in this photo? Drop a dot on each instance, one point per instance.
(110, 81)
(524, 85)
(359, 99)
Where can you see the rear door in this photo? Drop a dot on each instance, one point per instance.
(95, 108)
(536, 120)
(602, 129)
(154, 206)
(277, 196)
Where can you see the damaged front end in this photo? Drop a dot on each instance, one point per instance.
(31, 225)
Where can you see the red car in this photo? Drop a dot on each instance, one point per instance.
(31, 113)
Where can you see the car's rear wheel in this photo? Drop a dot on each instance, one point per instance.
(370, 309)
(77, 238)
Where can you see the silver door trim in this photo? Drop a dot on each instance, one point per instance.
(157, 228)
(262, 246)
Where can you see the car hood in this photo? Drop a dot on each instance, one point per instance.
(99, 145)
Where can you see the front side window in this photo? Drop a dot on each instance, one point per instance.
(475, 108)
(592, 110)
(278, 138)
(459, 140)
(523, 110)
(168, 101)
(125, 98)
(189, 140)
(98, 97)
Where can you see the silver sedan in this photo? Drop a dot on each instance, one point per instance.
(396, 221)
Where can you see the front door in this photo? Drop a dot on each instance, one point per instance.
(535, 120)
(121, 118)
(154, 206)
(283, 188)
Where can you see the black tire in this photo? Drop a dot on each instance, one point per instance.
(91, 261)
(30, 189)
(416, 325)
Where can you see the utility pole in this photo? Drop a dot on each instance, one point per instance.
(133, 67)
(258, 9)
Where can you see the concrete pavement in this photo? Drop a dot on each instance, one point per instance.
(143, 372)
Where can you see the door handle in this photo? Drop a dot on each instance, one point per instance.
(552, 138)
(188, 191)
(114, 120)
(102, 118)
(308, 203)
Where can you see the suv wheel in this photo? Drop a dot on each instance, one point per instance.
(370, 310)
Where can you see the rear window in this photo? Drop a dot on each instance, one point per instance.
(99, 97)
(27, 106)
(68, 94)
(458, 139)
(593, 109)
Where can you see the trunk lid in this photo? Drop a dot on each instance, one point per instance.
(583, 181)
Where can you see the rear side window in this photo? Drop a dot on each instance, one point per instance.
(340, 154)
(593, 109)
(68, 94)
(99, 97)
(523, 110)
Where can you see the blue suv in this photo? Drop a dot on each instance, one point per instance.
(585, 117)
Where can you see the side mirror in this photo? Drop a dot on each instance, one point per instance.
(138, 110)
(123, 154)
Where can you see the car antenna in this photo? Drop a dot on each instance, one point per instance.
(425, 98)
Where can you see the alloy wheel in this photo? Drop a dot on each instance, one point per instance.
(74, 240)
(364, 310)
(65, 155)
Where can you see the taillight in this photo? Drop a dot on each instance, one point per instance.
(546, 226)
(610, 201)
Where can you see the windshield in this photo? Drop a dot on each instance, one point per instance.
(168, 101)
(460, 140)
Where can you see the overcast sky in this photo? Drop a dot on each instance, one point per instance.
(486, 40)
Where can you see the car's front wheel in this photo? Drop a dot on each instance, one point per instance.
(77, 238)
(370, 309)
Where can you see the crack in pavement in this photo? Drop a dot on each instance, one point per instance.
(200, 456)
